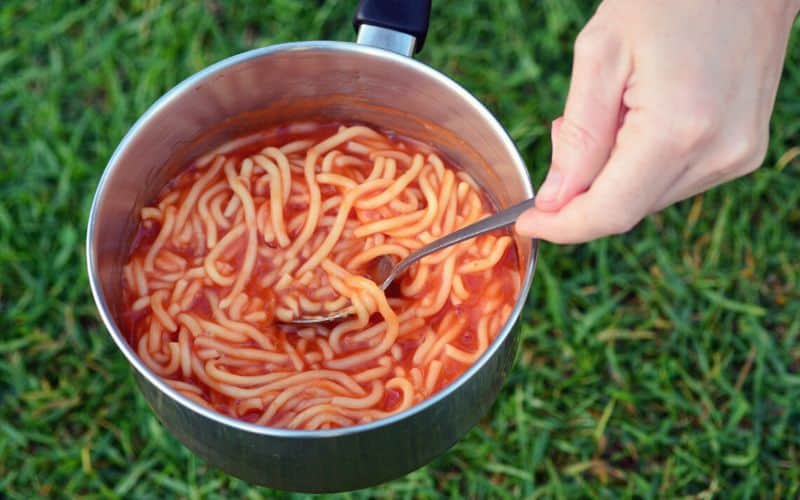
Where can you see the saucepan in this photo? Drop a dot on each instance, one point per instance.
(376, 81)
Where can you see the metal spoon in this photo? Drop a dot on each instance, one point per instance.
(383, 270)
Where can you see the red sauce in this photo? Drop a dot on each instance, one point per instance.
(504, 276)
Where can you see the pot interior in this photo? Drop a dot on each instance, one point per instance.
(294, 82)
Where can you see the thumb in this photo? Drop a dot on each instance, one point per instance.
(584, 136)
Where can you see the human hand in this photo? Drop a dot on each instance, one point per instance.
(667, 99)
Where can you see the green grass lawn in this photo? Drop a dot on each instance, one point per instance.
(659, 364)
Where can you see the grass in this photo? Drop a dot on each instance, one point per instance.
(660, 364)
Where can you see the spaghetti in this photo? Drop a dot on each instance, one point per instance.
(283, 224)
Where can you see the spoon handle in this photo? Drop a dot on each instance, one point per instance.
(500, 219)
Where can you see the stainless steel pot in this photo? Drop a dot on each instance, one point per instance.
(346, 81)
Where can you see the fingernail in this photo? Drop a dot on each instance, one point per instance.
(551, 186)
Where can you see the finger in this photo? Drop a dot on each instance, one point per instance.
(584, 136)
(639, 171)
(692, 183)
(724, 164)
(687, 186)
(704, 176)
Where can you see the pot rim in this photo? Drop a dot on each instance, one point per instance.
(208, 72)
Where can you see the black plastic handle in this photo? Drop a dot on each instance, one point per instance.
(407, 16)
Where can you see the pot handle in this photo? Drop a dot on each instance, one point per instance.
(396, 25)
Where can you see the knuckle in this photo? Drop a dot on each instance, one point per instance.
(744, 154)
(696, 123)
(622, 226)
(574, 136)
(593, 44)
(621, 221)
(752, 151)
